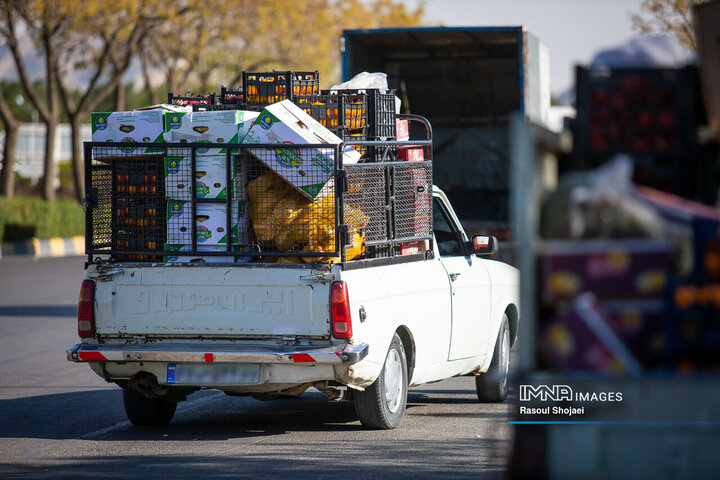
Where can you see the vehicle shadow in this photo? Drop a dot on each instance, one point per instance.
(81, 414)
(38, 311)
(99, 415)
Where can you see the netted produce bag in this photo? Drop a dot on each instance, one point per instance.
(287, 221)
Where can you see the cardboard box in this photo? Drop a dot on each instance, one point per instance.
(173, 251)
(210, 225)
(611, 269)
(407, 154)
(402, 130)
(225, 126)
(115, 128)
(581, 338)
(411, 154)
(307, 169)
(210, 178)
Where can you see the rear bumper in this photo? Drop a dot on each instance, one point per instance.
(338, 355)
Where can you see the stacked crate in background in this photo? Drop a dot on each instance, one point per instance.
(648, 113)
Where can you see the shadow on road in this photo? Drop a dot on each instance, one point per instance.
(383, 460)
(234, 426)
(74, 414)
(39, 311)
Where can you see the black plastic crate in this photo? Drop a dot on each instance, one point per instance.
(342, 110)
(137, 214)
(231, 97)
(352, 135)
(137, 242)
(648, 113)
(381, 112)
(196, 101)
(264, 88)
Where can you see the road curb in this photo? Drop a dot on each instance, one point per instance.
(45, 247)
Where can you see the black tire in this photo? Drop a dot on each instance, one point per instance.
(492, 386)
(382, 404)
(143, 411)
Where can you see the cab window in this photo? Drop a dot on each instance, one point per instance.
(446, 236)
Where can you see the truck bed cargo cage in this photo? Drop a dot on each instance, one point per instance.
(191, 203)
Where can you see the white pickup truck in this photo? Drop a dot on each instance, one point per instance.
(416, 304)
(375, 327)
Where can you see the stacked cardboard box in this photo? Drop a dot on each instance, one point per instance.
(306, 169)
(115, 128)
(211, 183)
(175, 125)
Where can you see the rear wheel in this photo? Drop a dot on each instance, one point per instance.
(492, 386)
(143, 411)
(382, 404)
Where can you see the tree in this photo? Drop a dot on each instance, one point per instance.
(100, 41)
(667, 16)
(44, 23)
(285, 34)
(12, 126)
(214, 44)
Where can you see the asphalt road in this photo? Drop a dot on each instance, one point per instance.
(60, 420)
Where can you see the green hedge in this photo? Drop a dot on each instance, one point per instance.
(22, 218)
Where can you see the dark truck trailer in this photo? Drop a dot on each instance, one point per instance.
(467, 81)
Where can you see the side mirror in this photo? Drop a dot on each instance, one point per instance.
(484, 245)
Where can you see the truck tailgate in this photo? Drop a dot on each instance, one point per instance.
(212, 302)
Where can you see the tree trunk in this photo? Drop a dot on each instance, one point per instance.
(48, 180)
(151, 93)
(120, 97)
(12, 127)
(7, 177)
(53, 118)
(77, 156)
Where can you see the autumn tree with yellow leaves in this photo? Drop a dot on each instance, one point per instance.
(191, 44)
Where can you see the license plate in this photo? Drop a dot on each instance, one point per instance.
(218, 374)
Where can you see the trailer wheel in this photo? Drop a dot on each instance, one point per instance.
(492, 386)
(382, 404)
(143, 411)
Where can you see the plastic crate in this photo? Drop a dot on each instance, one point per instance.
(197, 101)
(336, 110)
(352, 135)
(137, 213)
(139, 242)
(381, 112)
(264, 88)
(649, 113)
(231, 97)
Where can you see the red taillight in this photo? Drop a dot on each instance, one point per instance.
(340, 311)
(86, 316)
